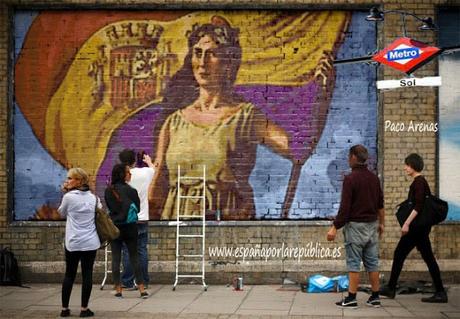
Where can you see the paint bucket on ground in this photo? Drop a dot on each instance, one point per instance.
(238, 283)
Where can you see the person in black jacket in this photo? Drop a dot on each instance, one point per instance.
(120, 199)
(412, 236)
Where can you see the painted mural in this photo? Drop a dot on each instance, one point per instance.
(449, 112)
(252, 95)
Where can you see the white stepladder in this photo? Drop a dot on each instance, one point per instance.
(107, 271)
(181, 218)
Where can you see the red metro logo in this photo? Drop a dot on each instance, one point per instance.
(406, 55)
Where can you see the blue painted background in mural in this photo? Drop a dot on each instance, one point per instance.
(32, 186)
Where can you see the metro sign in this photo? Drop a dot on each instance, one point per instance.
(406, 55)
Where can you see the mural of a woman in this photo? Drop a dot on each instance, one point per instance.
(216, 128)
(275, 81)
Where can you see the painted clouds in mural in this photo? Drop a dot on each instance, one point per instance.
(90, 83)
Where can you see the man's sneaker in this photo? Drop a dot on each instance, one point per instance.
(347, 302)
(373, 302)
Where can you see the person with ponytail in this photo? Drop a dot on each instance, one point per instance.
(123, 203)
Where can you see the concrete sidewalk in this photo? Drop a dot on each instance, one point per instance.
(190, 301)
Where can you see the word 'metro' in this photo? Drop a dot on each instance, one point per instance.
(402, 54)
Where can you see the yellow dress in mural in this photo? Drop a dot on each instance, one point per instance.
(218, 146)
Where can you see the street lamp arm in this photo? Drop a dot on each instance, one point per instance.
(404, 14)
(377, 15)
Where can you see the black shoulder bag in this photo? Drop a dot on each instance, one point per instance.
(434, 211)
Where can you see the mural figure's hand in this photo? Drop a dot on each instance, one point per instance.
(324, 67)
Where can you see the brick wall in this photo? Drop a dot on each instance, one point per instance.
(39, 245)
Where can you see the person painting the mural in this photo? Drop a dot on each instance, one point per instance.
(412, 237)
(217, 129)
(81, 239)
(141, 178)
(120, 198)
(362, 216)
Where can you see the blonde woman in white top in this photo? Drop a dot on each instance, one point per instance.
(81, 239)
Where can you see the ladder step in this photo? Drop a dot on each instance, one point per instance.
(191, 256)
(189, 276)
(192, 196)
(192, 177)
(191, 236)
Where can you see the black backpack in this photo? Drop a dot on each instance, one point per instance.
(9, 270)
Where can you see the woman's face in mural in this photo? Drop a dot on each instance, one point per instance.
(207, 63)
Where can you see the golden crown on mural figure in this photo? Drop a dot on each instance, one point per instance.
(138, 68)
(139, 34)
